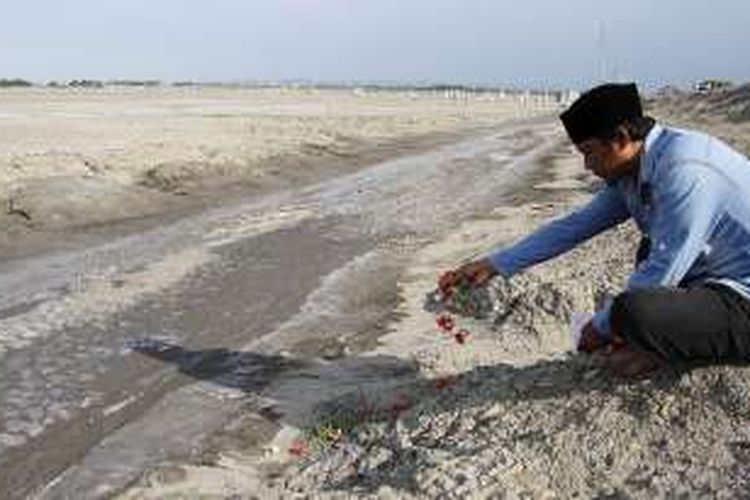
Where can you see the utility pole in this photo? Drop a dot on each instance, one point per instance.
(600, 73)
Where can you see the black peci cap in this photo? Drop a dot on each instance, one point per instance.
(601, 108)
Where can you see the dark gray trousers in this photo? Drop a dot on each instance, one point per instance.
(707, 322)
(703, 322)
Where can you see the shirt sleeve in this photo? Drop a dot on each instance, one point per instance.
(605, 210)
(687, 207)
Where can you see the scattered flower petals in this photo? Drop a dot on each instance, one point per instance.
(299, 448)
(446, 282)
(445, 322)
(461, 336)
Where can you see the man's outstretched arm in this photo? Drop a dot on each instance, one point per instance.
(604, 211)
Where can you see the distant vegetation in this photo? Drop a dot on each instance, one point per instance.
(443, 88)
(76, 83)
(86, 83)
(100, 83)
(14, 82)
(135, 83)
(437, 87)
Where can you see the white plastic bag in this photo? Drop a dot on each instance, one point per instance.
(577, 322)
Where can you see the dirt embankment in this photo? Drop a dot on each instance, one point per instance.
(724, 113)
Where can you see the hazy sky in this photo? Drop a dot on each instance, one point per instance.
(523, 42)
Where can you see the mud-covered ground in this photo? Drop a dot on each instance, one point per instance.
(76, 160)
(241, 318)
(512, 412)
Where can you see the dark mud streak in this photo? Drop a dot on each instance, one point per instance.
(293, 171)
(19, 309)
(248, 293)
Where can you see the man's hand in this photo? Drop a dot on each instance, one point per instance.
(476, 273)
(591, 340)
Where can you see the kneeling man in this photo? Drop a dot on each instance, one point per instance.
(689, 194)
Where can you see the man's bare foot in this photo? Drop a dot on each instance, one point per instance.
(626, 362)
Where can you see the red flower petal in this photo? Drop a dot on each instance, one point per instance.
(444, 283)
(299, 448)
(445, 322)
(461, 336)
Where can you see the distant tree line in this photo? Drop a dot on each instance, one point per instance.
(14, 82)
(86, 83)
(91, 83)
(135, 83)
(101, 83)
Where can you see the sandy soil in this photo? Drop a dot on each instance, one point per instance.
(84, 157)
(512, 413)
(725, 114)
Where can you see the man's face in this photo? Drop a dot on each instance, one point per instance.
(609, 160)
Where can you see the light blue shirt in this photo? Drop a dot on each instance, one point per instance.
(691, 197)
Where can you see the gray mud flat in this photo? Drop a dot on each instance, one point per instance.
(116, 357)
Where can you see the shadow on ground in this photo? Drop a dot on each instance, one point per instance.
(295, 380)
(245, 371)
(390, 393)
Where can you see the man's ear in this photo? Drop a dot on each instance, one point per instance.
(622, 137)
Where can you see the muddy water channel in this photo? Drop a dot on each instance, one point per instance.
(115, 356)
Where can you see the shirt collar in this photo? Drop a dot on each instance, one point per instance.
(650, 152)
